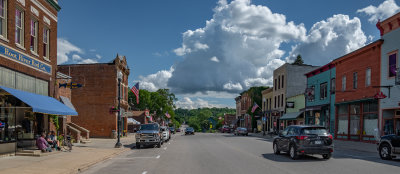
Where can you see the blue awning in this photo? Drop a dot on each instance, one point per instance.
(41, 103)
(290, 116)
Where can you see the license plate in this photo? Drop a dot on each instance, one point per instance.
(318, 142)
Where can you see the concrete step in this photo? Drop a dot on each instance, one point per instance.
(31, 151)
(27, 154)
(35, 153)
(85, 141)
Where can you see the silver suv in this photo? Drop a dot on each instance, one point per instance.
(148, 135)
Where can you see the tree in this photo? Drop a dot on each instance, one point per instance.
(298, 61)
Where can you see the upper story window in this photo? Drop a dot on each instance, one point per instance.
(275, 102)
(323, 90)
(355, 80)
(3, 18)
(283, 79)
(34, 35)
(19, 27)
(312, 96)
(392, 64)
(333, 85)
(344, 83)
(279, 101)
(275, 85)
(282, 100)
(368, 77)
(46, 47)
(270, 103)
(279, 82)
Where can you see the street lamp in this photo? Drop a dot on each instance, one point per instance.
(119, 76)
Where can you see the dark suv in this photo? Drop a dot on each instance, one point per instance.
(389, 146)
(300, 140)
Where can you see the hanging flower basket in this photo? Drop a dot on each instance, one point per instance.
(113, 110)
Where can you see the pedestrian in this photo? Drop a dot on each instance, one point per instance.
(42, 144)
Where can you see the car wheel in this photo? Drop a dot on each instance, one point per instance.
(159, 144)
(247, 134)
(276, 150)
(327, 156)
(137, 145)
(385, 152)
(293, 152)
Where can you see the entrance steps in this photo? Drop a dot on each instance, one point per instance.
(34, 152)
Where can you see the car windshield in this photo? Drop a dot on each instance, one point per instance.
(314, 130)
(148, 127)
(189, 129)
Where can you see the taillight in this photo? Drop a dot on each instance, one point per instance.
(330, 136)
(301, 137)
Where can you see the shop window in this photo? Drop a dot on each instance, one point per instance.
(355, 109)
(333, 85)
(392, 64)
(344, 83)
(370, 107)
(34, 35)
(355, 124)
(355, 80)
(323, 91)
(19, 27)
(368, 77)
(7, 121)
(3, 19)
(343, 124)
(343, 109)
(46, 47)
(370, 124)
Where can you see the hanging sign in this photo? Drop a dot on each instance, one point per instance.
(380, 95)
(309, 93)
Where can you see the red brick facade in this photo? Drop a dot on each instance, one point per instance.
(10, 40)
(98, 94)
(358, 61)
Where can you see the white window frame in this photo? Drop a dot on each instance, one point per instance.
(46, 45)
(34, 35)
(368, 77)
(3, 34)
(344, 83)
(21, 39)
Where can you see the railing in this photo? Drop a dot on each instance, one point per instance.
(75, 133)
(84, 132)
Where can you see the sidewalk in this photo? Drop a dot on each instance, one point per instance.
(339, 144)
(81, 158)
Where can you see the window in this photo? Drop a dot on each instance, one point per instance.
(270, 103)
(19, 27)
(46, 49)
(368, 77)
(275, 102)
(275, 84)
(333, 85)
(344, 83)
(279, 82)
(279, 100)
(355, 80)
(34, 28)
(282, 100)
(3, 18)
(311, 94)
(323, 90)
(392, 64)
(283, 79)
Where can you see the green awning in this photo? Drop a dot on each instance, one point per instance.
(291, 116)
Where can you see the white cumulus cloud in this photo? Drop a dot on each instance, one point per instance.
(188, 103)
(383, 11)
(156, 81)
(64, 48)
(330, 39)
(214, 59)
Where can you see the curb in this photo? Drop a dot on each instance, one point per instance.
(86, 166)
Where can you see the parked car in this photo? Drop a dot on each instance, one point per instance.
(148, 134)
(189, 131)
(226, 129)
(300, 140)
(389, 146)
(241, 131)
(172, 129)
(178, 130)
(165, 133)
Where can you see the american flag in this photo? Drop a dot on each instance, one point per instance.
(135, 90)
(167, 115)
(254, 107)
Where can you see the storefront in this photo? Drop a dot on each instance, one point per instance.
(391, 121)
(318, 115)
(24, 116)
(292, 118)
(357, 121)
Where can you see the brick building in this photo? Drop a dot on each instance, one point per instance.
(357, 84)
(28, 60)
(229, 119)
(99, 94)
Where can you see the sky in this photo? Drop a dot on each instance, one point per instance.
(208, 51)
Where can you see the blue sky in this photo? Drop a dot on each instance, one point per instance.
(207, 51)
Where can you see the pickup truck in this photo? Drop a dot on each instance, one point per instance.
(389, 146)
(149, 135)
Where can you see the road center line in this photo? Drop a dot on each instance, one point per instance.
(158, 156)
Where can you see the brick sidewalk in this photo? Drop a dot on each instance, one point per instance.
(82, 157)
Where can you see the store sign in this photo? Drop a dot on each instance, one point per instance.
(289, 104)
(2, 124)
(146, 113)
(380, 95)
(25, 60)
(309, 94)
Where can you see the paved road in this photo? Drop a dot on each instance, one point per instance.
(227, 154)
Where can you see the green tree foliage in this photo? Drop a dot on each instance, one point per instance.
(161, 101)
(256, 96)
(298, 61)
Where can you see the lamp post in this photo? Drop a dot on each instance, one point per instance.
(119, 76)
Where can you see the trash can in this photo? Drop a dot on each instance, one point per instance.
(113, 134)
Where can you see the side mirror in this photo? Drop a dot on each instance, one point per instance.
(280, 133)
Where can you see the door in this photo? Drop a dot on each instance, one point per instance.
(281, 139)
(286, 138)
